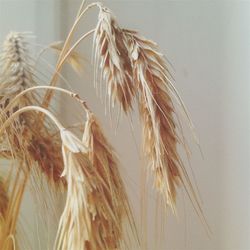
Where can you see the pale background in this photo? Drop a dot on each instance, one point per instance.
(208, 43)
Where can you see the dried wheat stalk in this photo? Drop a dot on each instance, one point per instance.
(104, 160)
(96, 202)
(73, 229)
(17, 74)
(23, 174)
(112, 55)
(96, 207)
(157, 112)
(3, 204)
(132, 67)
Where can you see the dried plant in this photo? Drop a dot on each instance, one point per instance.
(111, 54)
(157, 111)
(3, 198)
(17, 75)
(131, 71)
(88, 214)
(124, 52)
(74, 227)
(105, 163)
(11, 197)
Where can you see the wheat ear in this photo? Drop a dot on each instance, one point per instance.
(111, 56)
(105, 163)
(17, 74)
(23, 163)
(74, 226)
(157, 112)
(88, 214)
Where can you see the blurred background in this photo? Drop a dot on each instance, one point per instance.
(208, 44)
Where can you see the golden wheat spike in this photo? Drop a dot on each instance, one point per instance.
(74, 231)
(157, 112)
(90, 219)
(111, 56)
(16, 70)
(105, 163)
(16, 75)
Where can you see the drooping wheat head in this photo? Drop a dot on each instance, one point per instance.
(105, 163)
(157, 112)
(111, 57)
(96, 207)
(96, 203)
(17, 74)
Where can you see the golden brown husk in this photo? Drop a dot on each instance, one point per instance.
(112, 55)
(74, 226)
(36, 141)
(105, 163)
(96, 205)
(160, 136)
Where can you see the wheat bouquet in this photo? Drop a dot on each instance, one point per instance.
(82, 166)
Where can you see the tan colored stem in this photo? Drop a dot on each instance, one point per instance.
(31, 108)
(71, 94)
(54, 79)
(74, 47)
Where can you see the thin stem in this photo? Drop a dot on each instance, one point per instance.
(53, 81)
(71, 94)
(79, 16)
(74, 47)
(80, 9)
(31, 108)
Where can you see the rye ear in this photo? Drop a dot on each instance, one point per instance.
(159, 119)
(112, 61)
